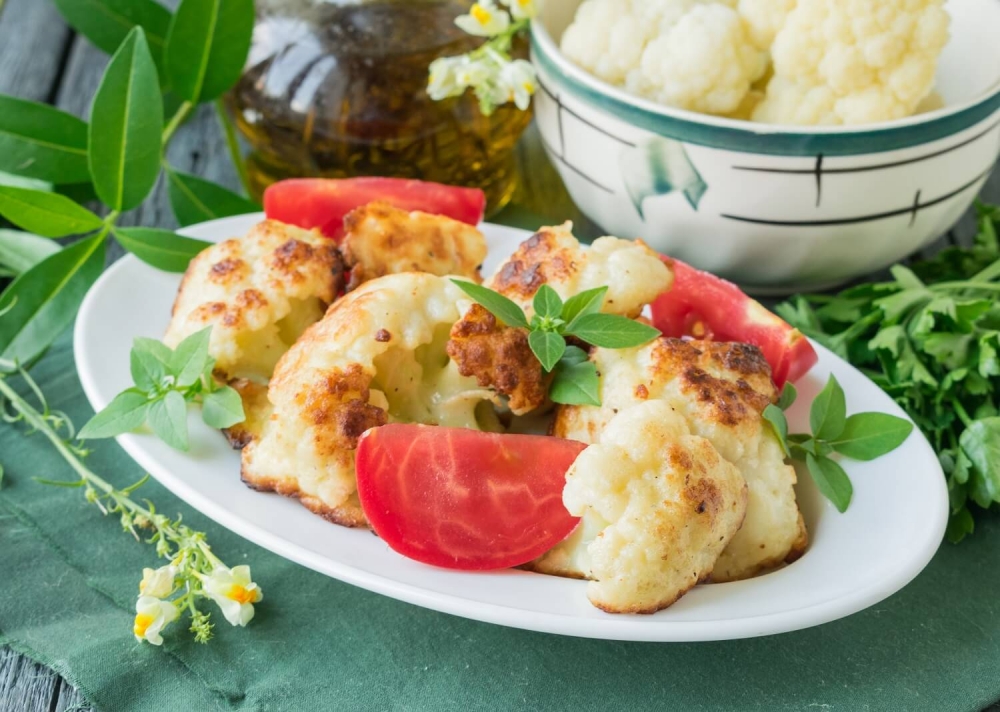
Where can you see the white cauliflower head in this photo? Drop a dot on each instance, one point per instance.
(664, 504)
(606, 38)
(854, 61)
(764, 18)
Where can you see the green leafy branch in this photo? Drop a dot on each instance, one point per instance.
(575, 380)
(862, 436)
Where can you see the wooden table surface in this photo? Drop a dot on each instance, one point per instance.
(44, 60)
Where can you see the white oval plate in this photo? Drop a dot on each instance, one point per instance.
(888, 535)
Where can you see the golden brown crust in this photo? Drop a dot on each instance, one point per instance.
(348, 514)
(547, 256)
(380, 239)
(499, 357)
(256, 407)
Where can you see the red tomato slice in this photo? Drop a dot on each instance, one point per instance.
(707, 307)
(323, 202)
(463, 499)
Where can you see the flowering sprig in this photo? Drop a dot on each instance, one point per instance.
(488, 70)
(193, 573)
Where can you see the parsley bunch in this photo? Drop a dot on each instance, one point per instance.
(165, 382)
(575, 380)
(930, 338)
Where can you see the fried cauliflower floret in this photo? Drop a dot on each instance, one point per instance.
(380, 239)
(669, 503)
(258, 293)
(720, 390)
(633, 273)
(854, 61)
(377, 356)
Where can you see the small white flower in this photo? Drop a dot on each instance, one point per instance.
(151, 616)
(485, 19)
(521, 9)
(158, 583)
(234, 592)
(450, 76)
(516, 82)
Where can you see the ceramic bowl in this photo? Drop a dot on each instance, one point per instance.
(774, 208)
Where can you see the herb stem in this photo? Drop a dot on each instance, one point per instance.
(175, 121)
(963, 414)
(233, 144)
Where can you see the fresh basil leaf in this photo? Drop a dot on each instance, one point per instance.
(154, 348)
(831, 480)
(46, 214)
(547, 303)
(126, 124)
(106, 23)
(547, 347)
(829, 411)
(20, 251)
(222, 409)
(167, 418)
(576, 384)
(867, 436)
(498, 305)
(188, 360)
(611, 332)
(588, 302)
(207, 46)
(148, 371)
(788, 395)
(162, 249)
(46, 298)
(980, 443)
(127, 412)
(775, 416)
(195, 200)
(40, 141)
(573, 355)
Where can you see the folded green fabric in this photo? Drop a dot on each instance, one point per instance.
(68, 581)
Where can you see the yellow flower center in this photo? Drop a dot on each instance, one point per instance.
(480, 14)
(524, 3)
(528, 87)
(142, 623)
(241, 595)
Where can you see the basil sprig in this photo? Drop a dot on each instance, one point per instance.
(165, 382)
(862, 436)
(575, 380)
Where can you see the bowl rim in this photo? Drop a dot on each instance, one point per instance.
(751, 137)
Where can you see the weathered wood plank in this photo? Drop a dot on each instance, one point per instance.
(25, 685)
(33, 43)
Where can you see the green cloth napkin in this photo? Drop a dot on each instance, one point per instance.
(68, 581)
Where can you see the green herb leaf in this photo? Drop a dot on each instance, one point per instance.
(498, 305)
(20, 251)
(960, 524)
(106, 23)
(222, 408)
(547, 303)
(148, 370)
(188, 360)
(775, 416)
(980, 443)
(207, 46)
(905, 277)
(788, 395)
(867, 436)
(831, 480)
(126, 126)
(39, 141)
(155, 348)
(46, 214)
(127, 412)
(168, 419)
(575, 382)
(70, 484)
(162, 249)
(829, 411)
(548, 347)
(46, 298)
(611, 331)
(195, 200)
(588, 302)
(572, 356)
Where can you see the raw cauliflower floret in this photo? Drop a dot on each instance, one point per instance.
(720, 390)
(671, 504)
(606, 38)
(854, 61)
(258, 293)
(377, 356)
(705, 63)
(764, 18)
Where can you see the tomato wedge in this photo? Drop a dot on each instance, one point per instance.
(323, 202)
(707, 307)
(464, 499)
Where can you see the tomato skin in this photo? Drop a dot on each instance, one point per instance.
(323, 202)
(707, 307)
(464, 499)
